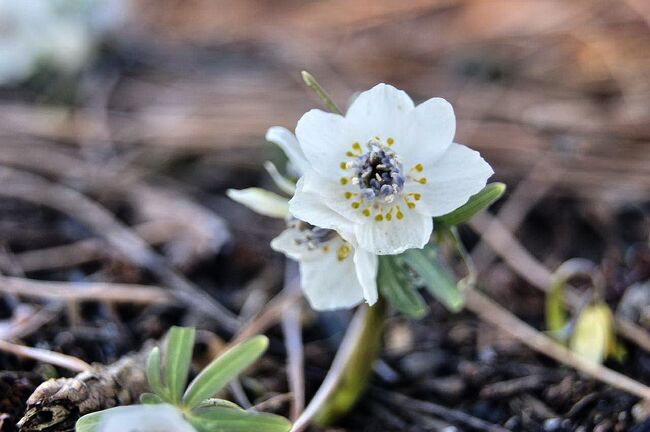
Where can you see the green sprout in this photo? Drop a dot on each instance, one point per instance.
(168, 383)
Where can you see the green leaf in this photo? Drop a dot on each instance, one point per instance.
(153, 373)
(399, 292)
(223, 369)
(311, 82)
(150, 399)
(223, 419)
(178, 357)
(435, 278)
(89, 422)
(555, 314)
(476, 203)
(214, 402)
(593, 337)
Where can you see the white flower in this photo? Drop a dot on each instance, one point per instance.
(58, 33)
(386, 167)
(334, 272)
(144, 418)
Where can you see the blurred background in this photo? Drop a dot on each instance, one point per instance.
(148, 110)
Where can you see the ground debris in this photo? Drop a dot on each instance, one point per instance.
(56, 404)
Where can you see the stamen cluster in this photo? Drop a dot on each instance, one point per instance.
(379, 173)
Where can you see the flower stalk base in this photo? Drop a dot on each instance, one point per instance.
(358, 369)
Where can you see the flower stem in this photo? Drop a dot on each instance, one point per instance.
(322, 94)
(358, 369)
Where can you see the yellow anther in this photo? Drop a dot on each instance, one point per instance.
(356, 205)
(349, 154)
(390, 141)
(416, 196)
(343, 165)
(366, 212)
(410, 205)
(389, 216)
(423, 180)
(344, 181)
(399, 214)
(356, 146)
(347, 195)
(379, 218)
(418, 167)
(326, 248)
(343, 252)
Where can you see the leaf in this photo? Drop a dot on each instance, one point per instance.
(150, 399)
(593, 336)
(395, 287)
(485, 198)
(89, 422)
(178, 357)
(435, 278)
(153, 373)
(261, 201)
(223, 369)
(223, 419)
(555, 314)
(214, 402)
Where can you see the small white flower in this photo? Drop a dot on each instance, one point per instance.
(386, 167)
(334, 272)
(144, 418)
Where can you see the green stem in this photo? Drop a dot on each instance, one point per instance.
(322, 94)
(358, 369)
(468, 281)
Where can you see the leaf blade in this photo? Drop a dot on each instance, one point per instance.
(89, 422)
(223, 369)
(225, 419)
(178, 357)
(480, 201)
(436, 279)
(397, 291)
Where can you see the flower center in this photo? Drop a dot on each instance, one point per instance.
(313, 237)
(381, 176)
(379, 173)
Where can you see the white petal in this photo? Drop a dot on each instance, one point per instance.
(289, 144)
(144, 418)
(460, 173)
(430, 132)
(286, 244)
(381, 111)
(366, 267)
(285, 185)
(395, 236)
(330, 283)
(323, 138)
(261, 201)
(313, 208)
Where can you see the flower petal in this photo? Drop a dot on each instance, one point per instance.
(261, 201)
(324, 140)
(366, 265)
(381, 111)
(460, 173)
(311, 207)
(289, 144)
(395, 236)
(329, 282)
(430, 132)
(286, 244)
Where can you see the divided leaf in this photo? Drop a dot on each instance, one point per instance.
(435, 278)
(224, 419)
(482, 200)
(223, 369)
(178, 358)
(153, 373)
(395, 287)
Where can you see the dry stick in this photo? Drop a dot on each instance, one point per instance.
(45, 356)
(29, 187)
(293, 344)
(85, 291)
(493, 313)
(522, 262)
(89, 250)
(350, 341)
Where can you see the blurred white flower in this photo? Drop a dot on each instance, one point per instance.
(57, 33)
(386, 168)
(144, 418)
(334, 272)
